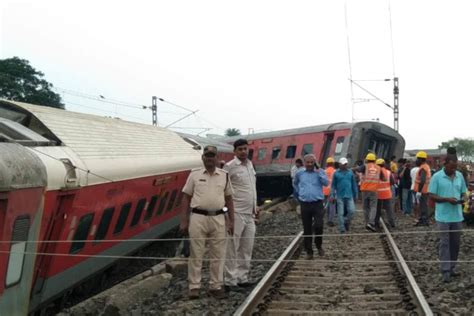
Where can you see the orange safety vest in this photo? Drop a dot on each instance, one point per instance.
(384, 190)
(371, 178)
(418, 178)
(330, 172)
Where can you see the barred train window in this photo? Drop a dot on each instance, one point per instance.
(172, 200)
(161, 208)
(81, 233)
(122, 218)
(150, 208)
(138, 212)
(290, 152)
(17, 250)
(104, 223)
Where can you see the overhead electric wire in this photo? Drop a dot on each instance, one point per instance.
(391, 38)
(349, 57)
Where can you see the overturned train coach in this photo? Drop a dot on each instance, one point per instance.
(274, 153)
(76, 190)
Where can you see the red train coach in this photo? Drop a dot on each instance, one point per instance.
(89, 182)
(274, 153)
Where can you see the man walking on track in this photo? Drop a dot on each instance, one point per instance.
(344, 190)
(329, 204)
(207, 196)
(308, 190)
(370, 177)
(447, 188)
(240, 245)
(384, 195)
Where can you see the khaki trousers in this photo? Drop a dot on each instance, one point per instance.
(213, 228)
(239, 250)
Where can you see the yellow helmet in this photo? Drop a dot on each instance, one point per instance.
(380, 161)
(371, 157)
(330, 160)
(422, 155)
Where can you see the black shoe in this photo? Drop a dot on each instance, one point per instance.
(455, 274)
(218, 294)
(331, 224)
(446, 277)
(371, 227)
(309, 256)
(346, 226)
(246, 284)
(321, 252)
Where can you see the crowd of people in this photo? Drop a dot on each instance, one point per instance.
(220, 207)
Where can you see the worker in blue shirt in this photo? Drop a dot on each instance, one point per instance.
(344, 190)
(308, 190)
(447, 188)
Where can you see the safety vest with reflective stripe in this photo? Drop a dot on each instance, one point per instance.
(329, 172)
(384, 191)
(371, 178)
(418, 178)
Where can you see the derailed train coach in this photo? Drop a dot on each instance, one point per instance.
(76, 191)
(274, 153)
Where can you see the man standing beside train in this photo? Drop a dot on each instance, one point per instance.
(207, 197)
(240, 246)
(308, 190)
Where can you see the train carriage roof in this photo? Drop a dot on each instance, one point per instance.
(107, 144)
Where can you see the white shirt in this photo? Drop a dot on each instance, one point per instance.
(413, 172)
(243, 179)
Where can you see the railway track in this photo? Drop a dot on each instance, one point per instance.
(359, 275)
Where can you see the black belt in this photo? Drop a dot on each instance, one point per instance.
(207, 213)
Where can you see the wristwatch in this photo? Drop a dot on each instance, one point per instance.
(225, 209)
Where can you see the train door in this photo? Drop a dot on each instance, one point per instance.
(326, 149)
(381, 145)
(53, 232)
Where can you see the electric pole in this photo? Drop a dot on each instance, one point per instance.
(395, 104)
(154, 107)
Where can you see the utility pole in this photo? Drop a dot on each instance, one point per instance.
(395, 104)
(154, 107)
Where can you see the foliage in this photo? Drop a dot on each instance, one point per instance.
(19, 81)
(232, 132)
(464, 147)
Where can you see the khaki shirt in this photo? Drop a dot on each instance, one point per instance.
(243, 179)
(208, 191)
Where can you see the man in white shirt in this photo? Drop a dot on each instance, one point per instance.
(298, 165)
(240, 245)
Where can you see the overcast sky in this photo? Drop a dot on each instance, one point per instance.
(264, 65)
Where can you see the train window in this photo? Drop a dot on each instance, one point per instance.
(290, 152)
(122, 218)
(172, 200)
(276, 152)
(261, 153)
(104, 223)
(21, 228)
(339, 142)
(161, 208)
(179, 200)
(138, 212)
(81, 233)
(250, 155)
(307, 149)
(150, 208)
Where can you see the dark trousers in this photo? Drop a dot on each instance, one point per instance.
(312, 214)
(424, 208)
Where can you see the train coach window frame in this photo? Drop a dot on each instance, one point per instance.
(276, 152)
(150, 208)
(162, 205)
(138, 212)
(307, 149)
(291, 152)
(122, 219)
(262, 152)
(104, 224)
(82, 231)
(339, 144)
(16, 260)
(173, 196)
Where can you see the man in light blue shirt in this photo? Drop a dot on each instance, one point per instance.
(308, 190)
(447, 188)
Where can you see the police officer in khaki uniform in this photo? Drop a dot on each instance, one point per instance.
(207, 213)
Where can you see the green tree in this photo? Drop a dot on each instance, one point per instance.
(19, 81)
(232, 132)
(464, 147)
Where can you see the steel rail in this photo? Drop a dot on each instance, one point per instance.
(411, 280)
(262, 287)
